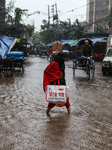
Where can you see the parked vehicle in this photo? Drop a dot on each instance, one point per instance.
(42, 50)
(99, 48)
(107, 61)
(73, 49)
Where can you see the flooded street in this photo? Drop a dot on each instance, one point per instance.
(24, 124)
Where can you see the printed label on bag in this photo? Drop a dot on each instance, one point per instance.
(56, 94)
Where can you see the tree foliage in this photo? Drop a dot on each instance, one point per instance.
(18, 15)
(63, 31)
(98, 29)
(11, 22)
(109, 20)
(78, 30)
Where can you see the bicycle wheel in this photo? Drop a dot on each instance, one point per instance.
(88, 71)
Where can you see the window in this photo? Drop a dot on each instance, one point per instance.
(109, 54)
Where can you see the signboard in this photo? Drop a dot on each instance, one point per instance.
(57, 47)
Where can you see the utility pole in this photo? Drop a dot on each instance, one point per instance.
(48, 16)
(52, 10)
(49, 23)
(56, 16)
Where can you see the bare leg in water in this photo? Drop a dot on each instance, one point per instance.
(51, 105)
(49, 108)
(69, 110)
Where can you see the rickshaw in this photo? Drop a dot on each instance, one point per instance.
(87, 63)
(42, 50)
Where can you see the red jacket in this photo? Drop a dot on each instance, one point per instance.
(51, 73)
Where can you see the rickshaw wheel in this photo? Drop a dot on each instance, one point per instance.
(87, 69)
(93, 70)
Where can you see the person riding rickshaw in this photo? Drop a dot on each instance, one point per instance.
(84, 57)
(84, 51)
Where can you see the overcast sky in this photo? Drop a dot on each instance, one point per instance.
(64, 7)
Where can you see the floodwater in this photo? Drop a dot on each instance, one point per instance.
(24, 124)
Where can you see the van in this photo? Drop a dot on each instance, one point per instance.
(107, 61)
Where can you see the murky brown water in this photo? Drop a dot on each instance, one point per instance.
(24, 124)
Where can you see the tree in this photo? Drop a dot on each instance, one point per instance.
(18, 15)
(45, 32)
(54, 32)
(66, 28)
(2, 16)
(98, 29)
(10, 10)
(63, 31)
(36, 38)
(13, 24)
(29, 29)
(78, 30)
(109, 19)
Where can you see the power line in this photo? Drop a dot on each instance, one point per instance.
(36, 12)
(97, 21)
(67, 2)
(39, 12)
(77, 8)
(74, 9)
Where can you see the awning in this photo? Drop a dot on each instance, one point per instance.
(74, 43)
(63, 42)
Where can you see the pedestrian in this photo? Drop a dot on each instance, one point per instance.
(56, 71)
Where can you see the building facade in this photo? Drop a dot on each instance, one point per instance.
(97, 12)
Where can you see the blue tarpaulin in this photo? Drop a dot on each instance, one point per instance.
(15, 55)
(6, 43)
